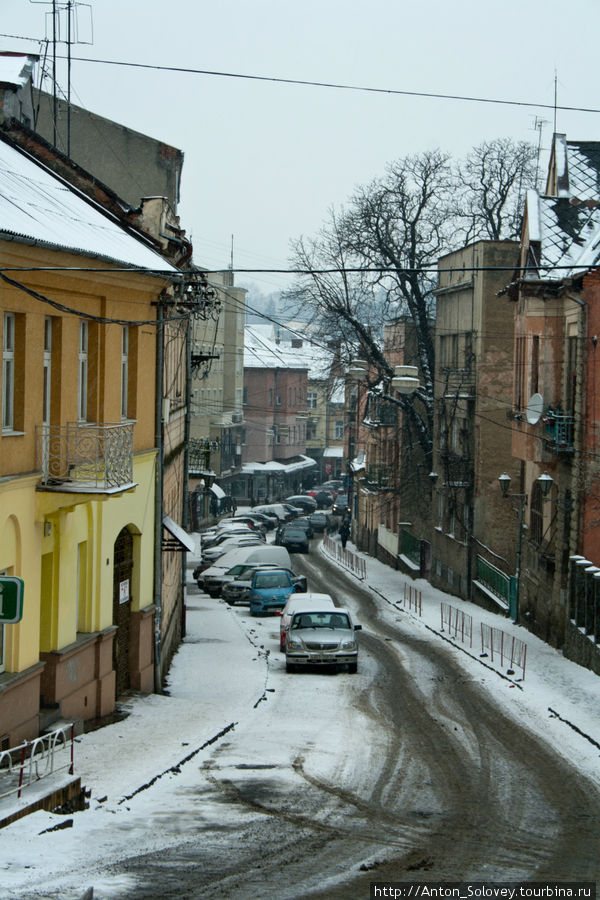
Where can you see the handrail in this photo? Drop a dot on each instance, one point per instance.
(35, 760)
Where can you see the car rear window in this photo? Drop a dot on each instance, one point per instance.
(320, 620)
(268, 580)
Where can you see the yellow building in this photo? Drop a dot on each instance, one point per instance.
(78, 461)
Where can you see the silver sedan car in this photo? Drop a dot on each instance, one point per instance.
(321, 638)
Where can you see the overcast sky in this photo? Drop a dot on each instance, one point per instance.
(265, 161)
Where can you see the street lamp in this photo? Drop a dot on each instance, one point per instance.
(545, 484)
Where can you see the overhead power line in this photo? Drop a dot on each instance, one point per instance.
(331, 85)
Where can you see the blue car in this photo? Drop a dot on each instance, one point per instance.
(269, 591)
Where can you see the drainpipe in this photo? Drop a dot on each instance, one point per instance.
(158, 499)
(578, 470)
(186, 462)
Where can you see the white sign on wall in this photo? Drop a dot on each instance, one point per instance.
(124, 591)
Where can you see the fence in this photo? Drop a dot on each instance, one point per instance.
(413, 599)
(503, 646)
(348, 559)
(457, 623)
(32, 761)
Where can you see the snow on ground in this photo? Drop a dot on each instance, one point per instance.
(557, 698)
(207, 695)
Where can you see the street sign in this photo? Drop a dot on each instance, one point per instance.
(11, 599)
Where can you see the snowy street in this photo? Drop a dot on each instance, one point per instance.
(245, 781)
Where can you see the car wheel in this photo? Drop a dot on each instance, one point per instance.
(290, 667)
(353, 668)
(230, 602)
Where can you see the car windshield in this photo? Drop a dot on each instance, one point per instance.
(271, 580)
(321, 620)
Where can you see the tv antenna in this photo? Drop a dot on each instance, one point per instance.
(64, 19)
(538, 125)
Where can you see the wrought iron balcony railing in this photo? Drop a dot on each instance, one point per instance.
(86, 457)
(559, 428)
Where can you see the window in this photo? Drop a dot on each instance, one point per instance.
(124, 371)
(311, 399)
(311, 431)
(8, 372)
(83, 370)
(338, 429)
(520, 369)
(47, 370)
(535, 364)
(536, 517)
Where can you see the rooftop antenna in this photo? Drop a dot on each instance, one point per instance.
(538, 126)
(69, 7)
(231, 259)
(555, 97)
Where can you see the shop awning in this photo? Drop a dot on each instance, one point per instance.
(217, 491)
(178, 539)
(333, 452)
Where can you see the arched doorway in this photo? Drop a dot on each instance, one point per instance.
(123, 567)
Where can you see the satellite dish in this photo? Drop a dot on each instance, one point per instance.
(535, 408)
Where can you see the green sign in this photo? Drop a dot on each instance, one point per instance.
(11, 599)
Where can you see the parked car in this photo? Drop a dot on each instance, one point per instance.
(254, 522)
(228, 533)
(340, 505)
(294, 511)
(270, 519)
(297, 602)
(334, 483)
(296, 523)
(294, 539)
(237, 540)
(209, 577)
(276, 509)
(269, 591)
(308, 504)
(322, 638)
(318, 522)
(323, 497)
(238, 589)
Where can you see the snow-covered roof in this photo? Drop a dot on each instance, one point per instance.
(262, 353)
(37, 205)
(568, 232)
(15, 69)
(577, 168)
(302, 462)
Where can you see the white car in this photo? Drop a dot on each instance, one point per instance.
(298, 602)
(321, 637)
(238, 540)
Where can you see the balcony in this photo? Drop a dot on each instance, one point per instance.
(83, 457)
(559, 427)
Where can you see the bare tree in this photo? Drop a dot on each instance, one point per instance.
(492, 181)
(376, 261)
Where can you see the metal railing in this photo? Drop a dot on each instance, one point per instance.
(457, 622)
(497, 582)
(509, 649)
(348, 559)
(32, 761)
(87, 455)
(410, 546)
